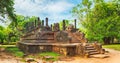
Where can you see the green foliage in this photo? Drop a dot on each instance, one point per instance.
(2, 34)
(13, 50)
(6, 8)
(53, 54)
(49, 54)
(5, 46)
(100, 21)
(14, 32)
(9, 43)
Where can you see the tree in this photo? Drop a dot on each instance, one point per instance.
(101, 22)
(16, 31)
(6, 8)
(2, 34)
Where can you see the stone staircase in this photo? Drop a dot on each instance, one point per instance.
(93, 53)
(91, 50)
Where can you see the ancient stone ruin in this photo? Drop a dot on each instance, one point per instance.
(69, 41)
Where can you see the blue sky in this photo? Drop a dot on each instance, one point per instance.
(55, 10)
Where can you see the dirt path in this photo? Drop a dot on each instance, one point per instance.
(114, 58)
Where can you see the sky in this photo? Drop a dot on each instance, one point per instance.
(55, 10)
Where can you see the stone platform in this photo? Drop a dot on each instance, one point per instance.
(62, 48)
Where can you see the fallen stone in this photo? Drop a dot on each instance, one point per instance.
(99, 56)
(48, 57)
(29, 59)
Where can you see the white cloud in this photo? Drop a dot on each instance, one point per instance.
(54, 10)
(58, 7)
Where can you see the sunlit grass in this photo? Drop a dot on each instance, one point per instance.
(113, 46)
(52, 54)
(4, 46)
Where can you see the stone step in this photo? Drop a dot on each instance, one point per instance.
(99, 56)
(93, 53)
(90, 48)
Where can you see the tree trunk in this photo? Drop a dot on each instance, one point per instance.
(2, 41)
(107, 40)
(112, 40)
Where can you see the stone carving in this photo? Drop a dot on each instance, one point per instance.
(62, 36)
(46, 35)
(70, 28)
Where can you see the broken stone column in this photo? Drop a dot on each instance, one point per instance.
(39, 22)
(51, 26)
(63, 24)
(75, 23)
(46, 21)
(42, 22)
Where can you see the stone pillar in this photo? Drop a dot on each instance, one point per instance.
(42, 22)
(63, 24)
(51, 26)
(46, 21)
(39, 22)
(75, 23)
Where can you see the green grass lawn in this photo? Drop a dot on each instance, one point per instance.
(4, 46)
(112, 46)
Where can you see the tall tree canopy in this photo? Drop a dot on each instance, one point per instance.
(17, 31)
(100, 19)
(6, 9)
